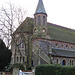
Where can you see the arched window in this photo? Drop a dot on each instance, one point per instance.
(66, 46)
(20, 59)
(23, 59)
(57, 61)
(21, 43)
(62, 46)
(39, 20)
(72, 62)
(71, 47)
(64, 62)
(35, 21)
(43, 20)
(32, 63)
(17, 59)
(57, 45)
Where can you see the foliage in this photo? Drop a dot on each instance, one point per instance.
(5, 55)
(54, 69)
(19, 65)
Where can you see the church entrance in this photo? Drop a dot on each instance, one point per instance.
(64, 62)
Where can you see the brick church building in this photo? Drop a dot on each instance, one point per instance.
(37, 41)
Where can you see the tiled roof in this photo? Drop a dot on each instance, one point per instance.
(63, 52)
(55, 32)
(40, 8)
(26, 26)
(60, 33)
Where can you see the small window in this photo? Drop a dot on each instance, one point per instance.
(66, 46)
(72, 62)
(64, 62)
(17, 59)
(20, 59)
(22, 44)
(57, 61)
(23, 59)
(71, 47)
(57, 45)
(61, 46)
(43, 20)
(35, 20)
(39, 20)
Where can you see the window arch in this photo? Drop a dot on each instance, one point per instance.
(57, 61)
(64, 62)
(57, 45)
(66, 46)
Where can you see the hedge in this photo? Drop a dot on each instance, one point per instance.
(54, 70)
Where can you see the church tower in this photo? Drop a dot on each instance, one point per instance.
(40, 19)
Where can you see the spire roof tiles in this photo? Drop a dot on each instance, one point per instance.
(40, 8)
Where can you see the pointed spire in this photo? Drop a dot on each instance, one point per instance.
(40, 8)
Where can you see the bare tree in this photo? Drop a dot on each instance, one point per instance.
(10, 18)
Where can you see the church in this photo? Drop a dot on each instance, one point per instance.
(37, 41)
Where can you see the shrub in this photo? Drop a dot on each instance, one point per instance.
(54, 69)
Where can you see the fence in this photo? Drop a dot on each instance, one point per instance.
(25, 73)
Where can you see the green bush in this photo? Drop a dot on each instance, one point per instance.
(19, 65)
(54, 69)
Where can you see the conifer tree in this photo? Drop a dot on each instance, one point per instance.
(5, 55)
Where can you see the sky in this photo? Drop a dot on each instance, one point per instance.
(60, 12)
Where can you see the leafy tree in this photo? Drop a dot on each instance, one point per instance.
(5, 55)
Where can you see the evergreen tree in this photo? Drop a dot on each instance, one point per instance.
(5, 55)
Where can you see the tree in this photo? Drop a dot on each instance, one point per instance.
(5, 55)
(10, 18)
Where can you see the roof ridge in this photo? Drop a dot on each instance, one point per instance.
(60, 26)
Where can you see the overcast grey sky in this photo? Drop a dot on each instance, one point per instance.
(61, 12)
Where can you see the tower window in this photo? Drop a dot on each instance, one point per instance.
(43, 20)
(39, 20)
(35, 20)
